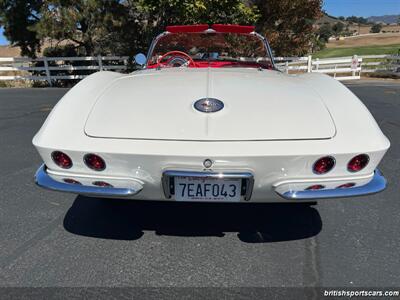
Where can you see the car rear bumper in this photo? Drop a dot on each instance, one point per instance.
(43, 179)
(124, 188)
(376, 185)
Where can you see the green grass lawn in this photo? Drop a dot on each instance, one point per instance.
(365, 50)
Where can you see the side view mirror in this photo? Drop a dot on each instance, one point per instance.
(140, 59)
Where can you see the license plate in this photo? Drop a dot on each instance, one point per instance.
(207, 189)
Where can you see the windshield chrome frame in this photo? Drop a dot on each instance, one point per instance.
(256, 34)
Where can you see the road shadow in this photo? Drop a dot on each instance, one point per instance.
(254, 223)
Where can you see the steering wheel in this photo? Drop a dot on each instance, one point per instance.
(178, 59)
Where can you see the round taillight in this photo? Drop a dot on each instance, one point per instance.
(324, 165)
(61, 159)
(102, 184)
(346, 185)
(94, 162)
(71, 181)
(315, 187)
(357, 163)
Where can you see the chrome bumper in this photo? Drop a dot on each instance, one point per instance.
(376, 185)
(44, 180)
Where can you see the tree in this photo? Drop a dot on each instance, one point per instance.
(160, 13)
(338, 28)
(123, 27)
(376, 28)
(112, 26)
(94, 26)
(19, 18)
(358, 20)
(325, 32)
(289, 24)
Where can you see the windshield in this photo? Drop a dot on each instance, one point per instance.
(209, 50)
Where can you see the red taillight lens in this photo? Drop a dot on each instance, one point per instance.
(357, 163)
(61, 159)
(71, 181)
(94, 162)
(324, 165)
(346, 185)
(102, 184)
(315, 187)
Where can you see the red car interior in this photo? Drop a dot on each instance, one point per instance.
(192, 63)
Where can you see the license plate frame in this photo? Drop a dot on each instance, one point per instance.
(246, 187)
(207, 189)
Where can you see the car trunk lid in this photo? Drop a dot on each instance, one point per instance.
(258, 105)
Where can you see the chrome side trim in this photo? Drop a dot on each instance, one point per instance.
(43, 180)
(376, 185)
(208, 174)
(152, 46)
(267, 46)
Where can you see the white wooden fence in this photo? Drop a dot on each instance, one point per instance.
(21, 68)
(342, 68)
(68, 68)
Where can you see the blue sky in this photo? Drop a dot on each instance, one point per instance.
(3, 40)
(360, 8)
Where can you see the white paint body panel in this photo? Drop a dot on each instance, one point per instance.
(327, 120)
(158, 105)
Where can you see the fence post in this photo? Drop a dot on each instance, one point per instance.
(100, 62)
(317, 61)
(48, 75)
(309, 64)
(354, 65)
(287, 67)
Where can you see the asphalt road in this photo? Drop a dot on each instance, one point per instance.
(55, 239)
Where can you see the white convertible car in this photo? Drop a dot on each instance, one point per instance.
(209, 118)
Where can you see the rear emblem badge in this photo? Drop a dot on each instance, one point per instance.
(208, 105)
(207, 163)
